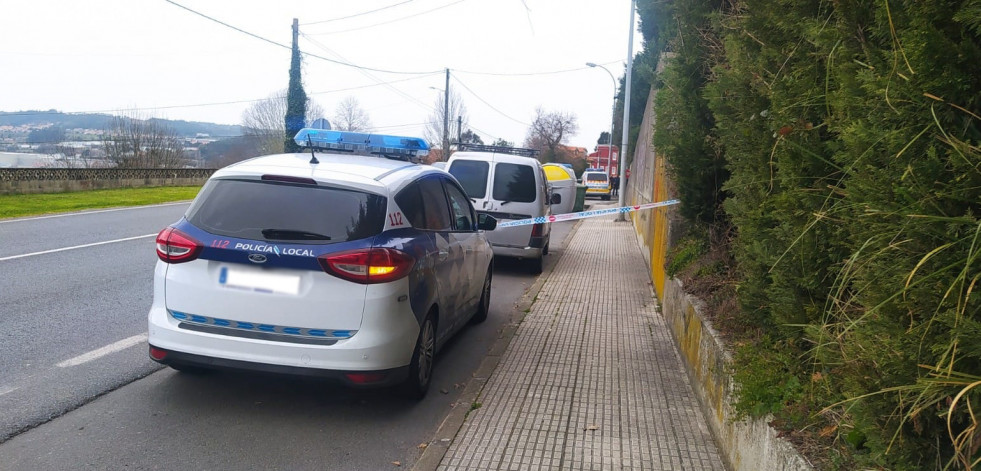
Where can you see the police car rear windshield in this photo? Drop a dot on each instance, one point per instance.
(284, 212)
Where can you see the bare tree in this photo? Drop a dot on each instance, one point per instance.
(548, 131)
(434, 126)
(264, 122)
(136, 142)
(349, 116)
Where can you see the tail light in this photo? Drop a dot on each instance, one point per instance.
(536, 230)
(157, 353)
(174, 246)
(365, 378)
(368, 266)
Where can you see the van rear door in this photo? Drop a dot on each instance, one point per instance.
(473, 176)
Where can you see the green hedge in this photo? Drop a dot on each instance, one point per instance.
(841, 139)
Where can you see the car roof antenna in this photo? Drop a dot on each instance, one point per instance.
(313, 155)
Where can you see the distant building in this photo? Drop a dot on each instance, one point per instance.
(601, 159)
(25, 160)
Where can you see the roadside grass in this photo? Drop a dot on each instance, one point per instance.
(50, 203)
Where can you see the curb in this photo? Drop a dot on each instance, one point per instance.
(446, 433)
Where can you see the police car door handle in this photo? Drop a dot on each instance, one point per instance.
(443, 255)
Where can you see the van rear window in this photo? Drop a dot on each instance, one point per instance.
(515, 183)
(472, 175)
(276, 211)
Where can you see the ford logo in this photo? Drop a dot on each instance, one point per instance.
(257, 258)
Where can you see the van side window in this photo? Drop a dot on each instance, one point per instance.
(463, 218)
(472, 175)
(437, 211)
(515, 183)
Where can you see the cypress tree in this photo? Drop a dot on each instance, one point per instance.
(296, 98)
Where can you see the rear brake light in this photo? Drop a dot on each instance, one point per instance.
(368, 266)
(536, 230)
(174, 246)
(288, 179)
(365, 378)
(157, 353)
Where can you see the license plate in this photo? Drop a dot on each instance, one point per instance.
(258, 281)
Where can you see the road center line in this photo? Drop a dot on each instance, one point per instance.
(12, 257)
(101, 352)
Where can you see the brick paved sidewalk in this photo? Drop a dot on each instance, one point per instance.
(591, 379)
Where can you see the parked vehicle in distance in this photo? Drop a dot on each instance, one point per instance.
(356, 268)
(508, 183)
(597, 183)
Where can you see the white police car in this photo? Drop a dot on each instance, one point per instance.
(352, 267)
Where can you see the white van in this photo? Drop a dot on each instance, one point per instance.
(509, 184)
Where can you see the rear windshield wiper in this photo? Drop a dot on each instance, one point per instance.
(292, 234)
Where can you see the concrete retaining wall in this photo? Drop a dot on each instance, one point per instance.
(746, 444)
(57, 180)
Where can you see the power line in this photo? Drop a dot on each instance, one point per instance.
(521, 74)
(390, 21)
(355, 15)
(366, 74)
(348, 64)
(196, 105)
(487, 103)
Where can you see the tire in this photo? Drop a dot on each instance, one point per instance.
(421, 366)
(535, 265)
(606, 197)
(484, 307)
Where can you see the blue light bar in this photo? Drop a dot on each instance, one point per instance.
(346, 141)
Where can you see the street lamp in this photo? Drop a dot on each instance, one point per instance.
(609, 153)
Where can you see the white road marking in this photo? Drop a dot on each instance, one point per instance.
(101, 352)
(12, 257)
(83, 213)
(6, 389)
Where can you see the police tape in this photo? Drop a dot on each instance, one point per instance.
(586, 214)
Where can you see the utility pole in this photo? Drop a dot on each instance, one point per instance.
(459, 130)
(446, 117)
(626, 113)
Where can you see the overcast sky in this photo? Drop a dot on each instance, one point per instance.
(506, 58)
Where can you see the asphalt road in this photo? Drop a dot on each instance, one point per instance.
(77, 390)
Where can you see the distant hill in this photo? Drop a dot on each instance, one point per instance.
(100, 121)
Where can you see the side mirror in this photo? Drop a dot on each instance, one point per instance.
(556, 198)
(486, 222)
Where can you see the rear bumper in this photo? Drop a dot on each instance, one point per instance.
(385, 340)
(517, 252)
(380, 378)
(382, 347)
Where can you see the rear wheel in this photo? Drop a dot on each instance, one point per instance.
(606, 197)
(535, 265)
(484, 307)
(421, 366)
